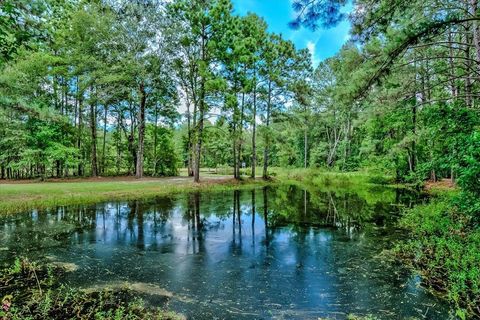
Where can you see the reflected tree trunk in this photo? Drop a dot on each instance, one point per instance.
(141, 234)
(265, 213)
(304, 204)
(253, 216)
(239, 214)
(234, 215)
(196, 200)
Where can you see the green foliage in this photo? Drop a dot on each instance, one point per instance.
(321, 177)
(33, 292)
(444, 247)
(469, 171)
(163, 155)
(52, 93)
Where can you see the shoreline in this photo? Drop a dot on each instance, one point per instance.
(20, 197)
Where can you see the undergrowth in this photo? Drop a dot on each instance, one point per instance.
(445, 248)
(31, 291)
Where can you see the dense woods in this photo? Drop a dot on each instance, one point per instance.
(97, 88)
(143, 87)
(402, 94)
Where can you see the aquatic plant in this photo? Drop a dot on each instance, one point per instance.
(31, 291)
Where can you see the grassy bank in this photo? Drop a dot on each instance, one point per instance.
(333, 179)
(31, 291)
(26, 195)
(369, 186)
(444, 247)
(18, 197)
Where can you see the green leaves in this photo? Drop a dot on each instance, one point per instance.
(469, 171)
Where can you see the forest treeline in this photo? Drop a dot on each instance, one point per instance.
(140, 87)
(146, 87)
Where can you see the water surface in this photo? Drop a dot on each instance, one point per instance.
(274, 252)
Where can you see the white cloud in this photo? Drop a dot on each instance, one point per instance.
(312, 47)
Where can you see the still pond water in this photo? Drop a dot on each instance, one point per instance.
(268, 253)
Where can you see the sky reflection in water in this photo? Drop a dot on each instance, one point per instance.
(277, 252)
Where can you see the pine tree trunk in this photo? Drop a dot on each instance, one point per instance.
(141, 132)
(93, 127)
(305, 139)
(266, 150)
(119, 142)
(254, 128)
(476, 31)
(240, 134)
(198, 145)
(104, 138)
(155, 142)
(189, 143)
(234, 147)
(79, 134)
(199, 135)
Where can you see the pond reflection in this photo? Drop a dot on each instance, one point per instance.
(273, 252)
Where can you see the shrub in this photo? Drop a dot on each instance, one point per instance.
(444, 247)
(31, 291)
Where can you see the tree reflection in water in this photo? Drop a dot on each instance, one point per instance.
(277, 251)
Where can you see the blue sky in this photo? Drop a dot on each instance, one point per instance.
(322, 43)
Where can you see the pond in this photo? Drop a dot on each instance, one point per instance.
(274, 252)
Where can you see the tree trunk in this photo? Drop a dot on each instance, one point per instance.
(305, 139)
(234, 146)
(468, 63)
(198, 146)
(254, 127)
(476, 31)
(451, 64)
(93, 127)
(346, 142)
(240, 136)
(119, 142)
(202, 107)
(155, 142)
(266, 150)
(79, 133)
(189, 142)
(414, 132)
(104, 138)
(141, 131)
